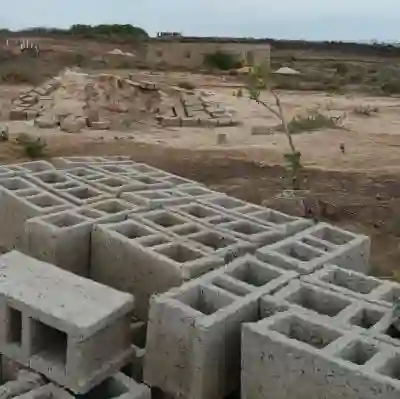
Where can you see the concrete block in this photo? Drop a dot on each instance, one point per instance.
(34, 166)
(20, 201)
(48, 391)
(335, 307)
(70, 329)
(295, 356)
(135, 258)
(195, 190)
(268, 217)
(230, 223)
(352, 283)
(25, 381)
(156, 198)
(6, 172)
(62, 239)
(120, 386)
(70, 162)
(83, 194)
(193, 333)
(134, 368)
(318, 245)
(52, 181)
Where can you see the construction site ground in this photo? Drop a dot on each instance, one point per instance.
(362, 185)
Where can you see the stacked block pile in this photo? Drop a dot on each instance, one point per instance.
(123, 280)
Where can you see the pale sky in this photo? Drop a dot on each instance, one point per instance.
(292, 19)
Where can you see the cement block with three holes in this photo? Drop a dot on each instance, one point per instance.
(349, 282)
(135, 258)
(68, 328)
(193, 333)
(298, 356)
(207, 238)
(347, 312)
(63, 185)
(312, 248)
(230, 223)
(119, 386)
(21, 200)
(156, 198)
(258, 214)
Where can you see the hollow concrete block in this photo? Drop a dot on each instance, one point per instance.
(70, 329)
(299, 356)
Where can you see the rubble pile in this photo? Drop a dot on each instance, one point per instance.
(74, 100)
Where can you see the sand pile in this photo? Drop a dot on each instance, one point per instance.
(75, 100)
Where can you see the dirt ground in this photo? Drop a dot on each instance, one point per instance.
(362, 185)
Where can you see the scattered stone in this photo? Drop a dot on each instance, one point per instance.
(70, 124)
(46, 122)
(101, 125)
(18, 114)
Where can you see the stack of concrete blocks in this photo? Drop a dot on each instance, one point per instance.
(70, 329)
(144, 260)
(193, 333)
(64, 238)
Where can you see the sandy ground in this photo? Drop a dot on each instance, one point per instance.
(371, 142)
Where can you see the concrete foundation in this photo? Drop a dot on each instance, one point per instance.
(72, 330)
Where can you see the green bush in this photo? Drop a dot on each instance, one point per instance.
(222, 60)
(33, 147)
(314, 121)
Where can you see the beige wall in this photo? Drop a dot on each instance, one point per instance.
(191, 55)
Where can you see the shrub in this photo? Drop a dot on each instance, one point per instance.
(314, 121)
(33, 146)
(341, 68)
(222, 60)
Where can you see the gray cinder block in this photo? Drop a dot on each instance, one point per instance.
(24, 382)
(62, 239)
(193, 333)
(312, 248)
(258, 214)
(120, 386)
(207, 238)
(297, 356)
(47, 391)
(71, 329)
(135, 258)
(34, 166)
(71, 162)
(20, 200)
(231, 223)
(156, 198)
